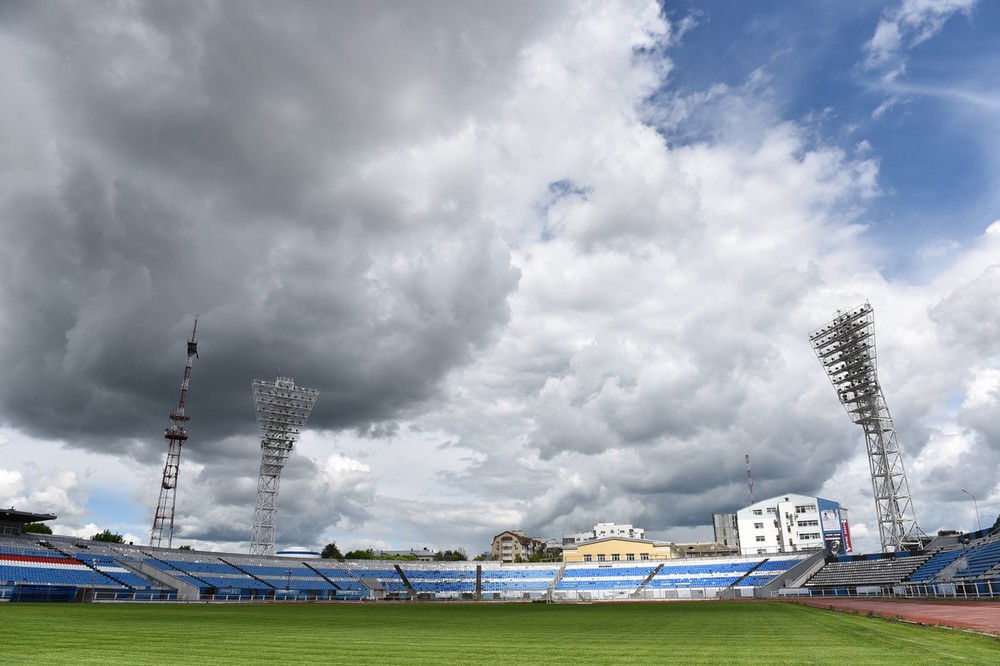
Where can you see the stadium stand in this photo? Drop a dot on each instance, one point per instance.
(62, 568)
(445, 581)
(517, 581)
(670, 579)
(964, 564)
(882, 571)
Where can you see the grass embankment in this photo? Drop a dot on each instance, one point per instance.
(650, 633)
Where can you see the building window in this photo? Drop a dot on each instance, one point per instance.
(809, 535)
(805, 508)
(808, 523)
(771, 509)
(758, 526)
(630, 557)
(615, 557)
(761, 538)
(758, 512)
(644, 556)
(587, 558)
(600, 557)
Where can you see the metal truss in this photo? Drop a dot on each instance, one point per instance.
(846, 348)
(282, 411)
(176, 435)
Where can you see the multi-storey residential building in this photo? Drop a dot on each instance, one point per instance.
(786, 524)
(514, 546)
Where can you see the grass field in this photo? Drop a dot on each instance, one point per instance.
(651, 633)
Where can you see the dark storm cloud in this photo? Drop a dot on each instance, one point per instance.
(200, 160)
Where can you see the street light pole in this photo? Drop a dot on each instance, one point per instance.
(975, 504)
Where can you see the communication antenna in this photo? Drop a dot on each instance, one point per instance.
(750, 495)
(846, 348)
(163, 519)
(282, 411)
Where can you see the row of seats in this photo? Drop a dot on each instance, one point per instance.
(712, 582)
(981, 562)
(205, 570)
(983, 557)
(515, 586)
(78, 575)
(887, 571)
(935, 564)
(595, 572)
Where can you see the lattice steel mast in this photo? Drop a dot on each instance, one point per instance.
(282, 411)
(163, 519)
(846, 348)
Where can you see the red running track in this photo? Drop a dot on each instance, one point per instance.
(982, 616)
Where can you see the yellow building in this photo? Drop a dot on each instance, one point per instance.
(619, 549)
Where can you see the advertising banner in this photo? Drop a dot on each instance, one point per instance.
(847, 536)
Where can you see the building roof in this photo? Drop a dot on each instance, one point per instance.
(520, 536)
(710, 549)
(787, 497)
(23, 517)
(651, 542)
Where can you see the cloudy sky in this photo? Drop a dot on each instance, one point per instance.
(548, 264)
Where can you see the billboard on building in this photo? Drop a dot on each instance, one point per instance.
(829, 518)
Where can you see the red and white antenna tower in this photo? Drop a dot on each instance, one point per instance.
(163, 521)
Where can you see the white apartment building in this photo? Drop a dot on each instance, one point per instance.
(786, 524)
(604, 531)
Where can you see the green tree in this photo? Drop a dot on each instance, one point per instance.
(108, 536)
(547, 555)
(37, 528)
(185, 548)
(457, 555)
(331, 552)
(367, 554)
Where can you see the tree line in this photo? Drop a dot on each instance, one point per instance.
(331, 552)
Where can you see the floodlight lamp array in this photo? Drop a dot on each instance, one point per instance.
(282, 409)
(846, 348)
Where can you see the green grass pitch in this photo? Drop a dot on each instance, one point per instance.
(452, 633)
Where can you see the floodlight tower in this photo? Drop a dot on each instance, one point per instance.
(163, 519)
(846, 348)
(282, 411)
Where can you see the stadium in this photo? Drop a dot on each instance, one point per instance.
(953, 564)
(700, 597)
(37, 567)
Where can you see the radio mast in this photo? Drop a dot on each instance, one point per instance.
(163, 520)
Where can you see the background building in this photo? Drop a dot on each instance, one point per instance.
(618, 549)
(605, 530)
(724, 525)
(786, 524)
(710, 549)
(513, 544)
